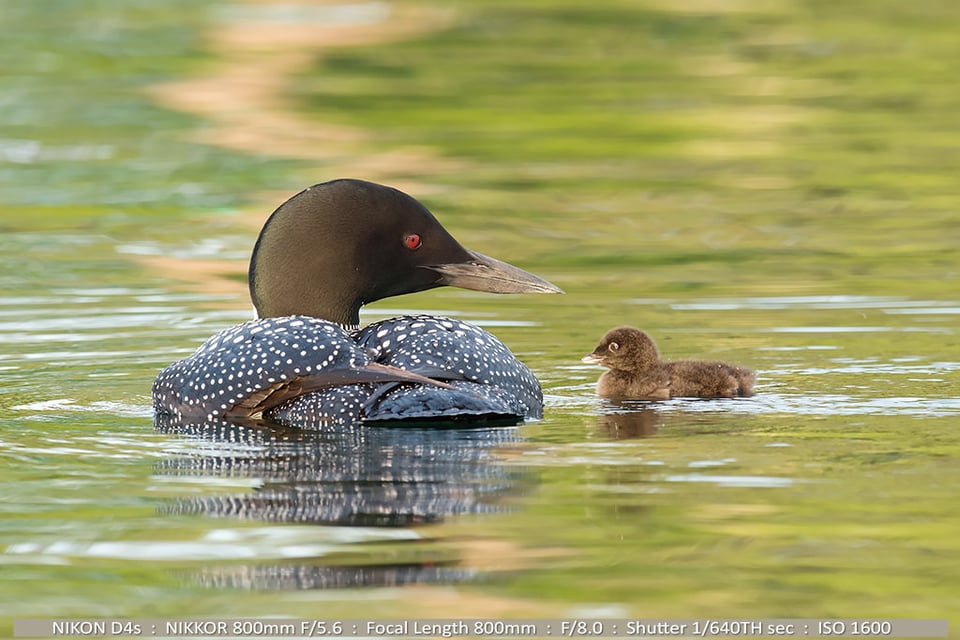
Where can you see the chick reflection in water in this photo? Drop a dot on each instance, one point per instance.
(636, 371)
(625, 420)
(361, 476)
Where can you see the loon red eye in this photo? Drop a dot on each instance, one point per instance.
(412, 241)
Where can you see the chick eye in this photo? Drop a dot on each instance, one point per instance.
(613, 346)
(412, 241)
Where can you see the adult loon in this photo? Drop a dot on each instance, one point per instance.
(304, 361)
(636, 371)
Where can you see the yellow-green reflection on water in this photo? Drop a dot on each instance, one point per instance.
(774, 186)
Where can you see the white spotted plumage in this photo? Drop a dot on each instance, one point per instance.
(487, 379)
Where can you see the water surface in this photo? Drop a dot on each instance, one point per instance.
(809, 237)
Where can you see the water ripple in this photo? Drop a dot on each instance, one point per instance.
(901, 305)
(217, 544)
(772, 482)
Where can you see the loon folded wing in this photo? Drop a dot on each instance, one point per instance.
(284, 390)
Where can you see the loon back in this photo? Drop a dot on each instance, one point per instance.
(322, 255)
(312, 374)
(247, 370)
(486, 383)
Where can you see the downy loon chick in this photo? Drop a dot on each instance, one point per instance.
(636, 371)
(304, 361)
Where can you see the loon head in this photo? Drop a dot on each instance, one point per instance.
(625, 349)
(338, 245)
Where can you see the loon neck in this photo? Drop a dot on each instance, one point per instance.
(292, 300)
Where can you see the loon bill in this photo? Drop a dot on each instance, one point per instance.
(322, 255)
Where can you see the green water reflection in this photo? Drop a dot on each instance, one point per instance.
(774, 186)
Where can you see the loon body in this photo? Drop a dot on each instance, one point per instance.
(636, 371)
(323, 254)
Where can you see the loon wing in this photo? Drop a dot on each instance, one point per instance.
(245, 370)
(283, 390)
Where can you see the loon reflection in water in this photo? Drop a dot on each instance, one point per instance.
(354, 476)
